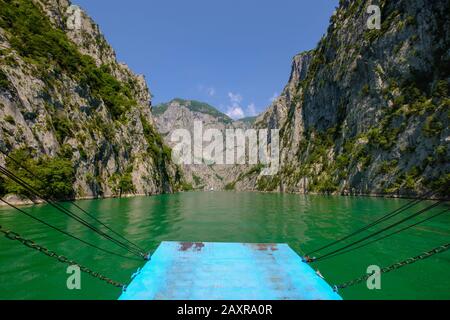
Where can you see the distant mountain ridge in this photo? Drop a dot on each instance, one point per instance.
(366, 112)
(71, 111)
(194, 106)
(182, 114)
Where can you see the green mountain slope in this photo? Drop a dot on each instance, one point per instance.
(367, 111)
(194, 106)
(66, 102)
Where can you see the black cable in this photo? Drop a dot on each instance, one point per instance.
(73, 203)
(64, 210)
(388, 235)
(66, 233)
(30, 189)
(383, 218)
(114, 232)
(396, 266)
(378, 232)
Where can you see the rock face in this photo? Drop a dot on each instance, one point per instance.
(367, 111)
(63, 94)
(182, 114)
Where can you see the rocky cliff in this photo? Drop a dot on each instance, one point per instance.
(368, 110)
(182, 114)
(66, 102)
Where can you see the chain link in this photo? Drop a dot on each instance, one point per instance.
(396, 266)
(31, 244)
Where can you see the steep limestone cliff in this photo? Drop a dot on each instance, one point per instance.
(367, 111)
(182, 114)
(66, 101)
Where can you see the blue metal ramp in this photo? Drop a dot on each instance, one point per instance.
(227, 271)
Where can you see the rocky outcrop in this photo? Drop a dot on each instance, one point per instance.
(64, 95)
(366, 112)
(182, 114)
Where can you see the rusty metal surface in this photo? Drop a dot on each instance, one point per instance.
(227, 271)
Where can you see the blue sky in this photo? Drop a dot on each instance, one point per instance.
(234, 54)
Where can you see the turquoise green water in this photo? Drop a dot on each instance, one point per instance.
(304, 222)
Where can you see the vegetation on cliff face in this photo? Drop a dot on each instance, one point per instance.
(160, 152)
(34, 38)
(122, 183)
(367, 111)
(194, 106)
(55, 176)
(370, 114)
(66, 100)
(4, 83)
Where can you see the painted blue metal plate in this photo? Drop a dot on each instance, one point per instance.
(227, 271)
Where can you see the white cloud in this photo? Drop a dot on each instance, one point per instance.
(274, 97)
(251, 110)
(235, 98)
(210, 91)
(235, 113)
(234, 110)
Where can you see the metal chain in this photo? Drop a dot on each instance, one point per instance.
(396, 266)
(31, 244)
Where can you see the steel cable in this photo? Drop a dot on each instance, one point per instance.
(396, 266)
(67, 212)
(65, 232)
(32, 245)
(388, 235)
(382, 219)
(74, 204)
(377, 232)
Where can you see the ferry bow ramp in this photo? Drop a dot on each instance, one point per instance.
(227, 271)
